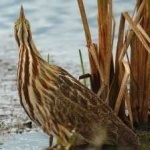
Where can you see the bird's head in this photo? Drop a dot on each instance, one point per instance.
(22, 29)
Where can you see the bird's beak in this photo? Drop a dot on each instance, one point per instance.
(22, 15)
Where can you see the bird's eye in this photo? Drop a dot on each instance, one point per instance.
(16, 24)
(27, 24)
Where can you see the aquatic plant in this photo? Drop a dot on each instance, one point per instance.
(121, 80)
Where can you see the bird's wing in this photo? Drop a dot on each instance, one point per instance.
(78, 107)
(79, 104)
(73, 105)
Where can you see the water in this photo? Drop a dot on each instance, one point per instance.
(29, 141)
(57, 29)
(56, 26)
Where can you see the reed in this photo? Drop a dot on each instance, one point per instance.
(124, 82)
(140, 61)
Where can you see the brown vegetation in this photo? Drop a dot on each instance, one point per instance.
(123, 83)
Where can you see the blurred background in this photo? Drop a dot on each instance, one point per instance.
(56, 27)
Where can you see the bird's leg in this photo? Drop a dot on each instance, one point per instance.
(57, 146)
(50, 147)
(50, 140)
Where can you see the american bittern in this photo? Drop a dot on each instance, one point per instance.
(58, 102)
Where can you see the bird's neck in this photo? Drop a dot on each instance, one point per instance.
(28, 57)
(30, 46)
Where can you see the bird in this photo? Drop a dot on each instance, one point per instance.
(57, 102)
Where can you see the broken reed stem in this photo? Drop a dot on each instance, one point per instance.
(96, 69)
(130, 34)
(101, 60)
(136, 31)
(85, 23)
(140, 47)
(123, 87)
(145, 35)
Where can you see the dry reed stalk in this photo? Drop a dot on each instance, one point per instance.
(136, 30)
(122, 47)
(129, 108)
(145, 102)
(101, 59)
(129, 36)
(96, 69)
(115, 85)
(111, 84)
(140, 68)
(122, 87)
(119, 75)
(133, 83)
(106, 36)
(124, 41)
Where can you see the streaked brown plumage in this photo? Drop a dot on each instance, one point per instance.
(58, 102)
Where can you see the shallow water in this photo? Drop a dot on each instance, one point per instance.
(56, 27)
(57, 30)
(27, 141)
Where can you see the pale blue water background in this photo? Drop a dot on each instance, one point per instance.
(56, 27)
(57, 30)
